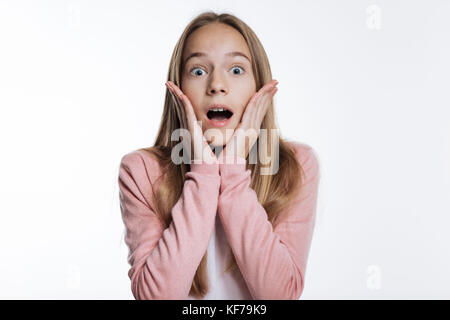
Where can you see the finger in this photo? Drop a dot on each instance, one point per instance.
(174, 92)
(257, 100)
(177, 91)
(186, 102)
(250, 110)
(195, 128)
(264, 106)
(192, 126)
(260, 100)
(249, 105)
(267, 87)
(273, 91)
(271, 84)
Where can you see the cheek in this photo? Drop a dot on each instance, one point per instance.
(245, 98)
(196, 108)
(248, 91)
(191, 92)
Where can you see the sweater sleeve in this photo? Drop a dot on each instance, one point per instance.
(272, 260)
(164, 260)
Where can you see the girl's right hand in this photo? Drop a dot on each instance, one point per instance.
(202, 151)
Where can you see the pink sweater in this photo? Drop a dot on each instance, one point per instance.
(216, 210)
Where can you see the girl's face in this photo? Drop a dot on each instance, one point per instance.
(218, 70)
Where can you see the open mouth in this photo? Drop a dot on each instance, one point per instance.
(219, 115)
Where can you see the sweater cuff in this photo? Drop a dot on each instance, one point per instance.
(205, 168)
(232, 164)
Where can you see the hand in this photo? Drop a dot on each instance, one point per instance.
(202, 151)
(253, 115)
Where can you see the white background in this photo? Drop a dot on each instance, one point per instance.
(365, 83)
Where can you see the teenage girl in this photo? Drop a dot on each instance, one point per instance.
(190, 207)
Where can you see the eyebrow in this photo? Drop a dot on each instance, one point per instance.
(229, 54)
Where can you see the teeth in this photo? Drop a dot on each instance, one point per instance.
(217, 109)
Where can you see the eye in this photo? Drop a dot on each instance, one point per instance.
(239, 68)
(196, 68)
(200, 68)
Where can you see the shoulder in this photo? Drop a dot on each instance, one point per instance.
(141, 163)
(308, 158)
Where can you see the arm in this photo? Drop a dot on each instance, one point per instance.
(164, 260)
(272, 261)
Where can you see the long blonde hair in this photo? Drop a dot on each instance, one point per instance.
(274, 191)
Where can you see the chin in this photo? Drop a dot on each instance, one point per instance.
(218, 143)
(219, 137)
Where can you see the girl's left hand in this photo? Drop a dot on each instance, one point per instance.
(251, 122)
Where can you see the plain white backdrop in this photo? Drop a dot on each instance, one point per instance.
(365, 83)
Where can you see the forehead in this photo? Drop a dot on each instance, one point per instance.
(215, 40)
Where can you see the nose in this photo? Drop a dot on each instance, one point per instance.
(217, 84)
